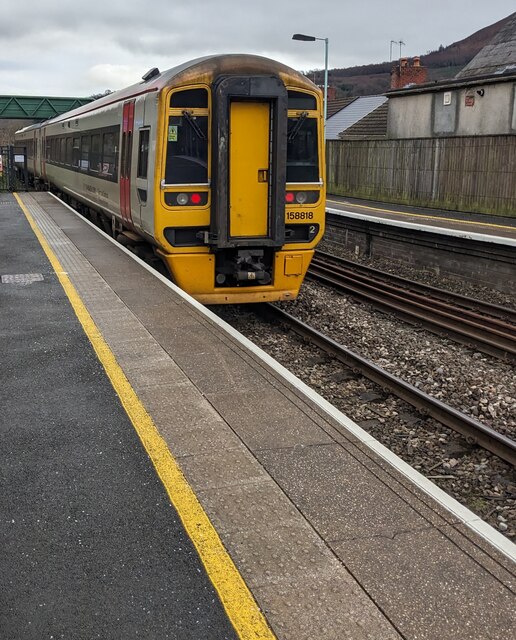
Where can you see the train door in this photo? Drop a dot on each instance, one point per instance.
(249, 168)
(140, 196)
(249, 163)
(125, 163)
(34, 152)
(42, 151)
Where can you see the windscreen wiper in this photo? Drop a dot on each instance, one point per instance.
(191, 121)
(295, 129)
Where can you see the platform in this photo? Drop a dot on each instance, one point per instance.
(477, 226)
(473, 248)
(333, 535)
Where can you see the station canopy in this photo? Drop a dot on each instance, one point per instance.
(37, 108)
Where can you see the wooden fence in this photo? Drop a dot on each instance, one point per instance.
(476, 173)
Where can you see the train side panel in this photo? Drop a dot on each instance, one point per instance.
(82, 157)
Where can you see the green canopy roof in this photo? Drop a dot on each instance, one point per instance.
(37, 108)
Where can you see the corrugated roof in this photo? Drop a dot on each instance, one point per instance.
(337, 105)
(348, 116)
(373, 125)
(498, 56)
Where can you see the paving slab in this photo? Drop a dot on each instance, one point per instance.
(335, 609)
(427, 575)
(281, 425)
(337, 494)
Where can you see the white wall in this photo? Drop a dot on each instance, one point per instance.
(478, 110)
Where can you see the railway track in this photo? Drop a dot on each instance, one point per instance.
(471, 429)
(480, 325)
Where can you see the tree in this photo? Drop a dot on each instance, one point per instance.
(96, 96)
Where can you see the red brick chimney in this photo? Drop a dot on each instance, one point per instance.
(408, 72)
(332, 93)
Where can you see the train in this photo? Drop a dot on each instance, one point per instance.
(215, 168)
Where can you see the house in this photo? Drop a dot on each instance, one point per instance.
(373, 126)
(348, 115)
(480, 100)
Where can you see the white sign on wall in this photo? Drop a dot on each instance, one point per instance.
(447, 98)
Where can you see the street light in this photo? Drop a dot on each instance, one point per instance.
(300, 36)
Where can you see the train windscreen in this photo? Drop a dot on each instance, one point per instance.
(302, 150)
(187, 149)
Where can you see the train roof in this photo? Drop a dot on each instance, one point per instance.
(214, 65)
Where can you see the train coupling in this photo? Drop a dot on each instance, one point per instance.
(247, 266)
(250, 267)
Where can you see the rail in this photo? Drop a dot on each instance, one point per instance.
(489, 328)
(470, 428)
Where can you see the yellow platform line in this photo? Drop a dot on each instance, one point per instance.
(239, 604)
(423, 215)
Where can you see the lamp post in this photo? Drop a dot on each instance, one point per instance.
(300, 36)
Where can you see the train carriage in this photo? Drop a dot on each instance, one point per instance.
(216, 165)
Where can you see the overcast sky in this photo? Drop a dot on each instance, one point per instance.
(80, 47)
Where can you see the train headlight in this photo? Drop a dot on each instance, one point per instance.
(301, 197)
(182, 199)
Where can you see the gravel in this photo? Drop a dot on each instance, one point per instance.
(471, 382)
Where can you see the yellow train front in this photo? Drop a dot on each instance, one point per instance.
(239, 199)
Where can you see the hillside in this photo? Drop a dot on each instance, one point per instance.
(443, 63)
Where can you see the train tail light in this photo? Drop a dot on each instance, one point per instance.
(195, 198)
(187, 199)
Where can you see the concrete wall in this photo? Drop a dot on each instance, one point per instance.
(488, 109)
(478, 263)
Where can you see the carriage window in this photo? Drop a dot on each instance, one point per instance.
(109, 155)
(85, 152)
(192, 98)
(62, 150)
(68, 151)
(95, 153)
(298, 100)
(143, 153)
(76, 150)
(302, 152)
(187, 149)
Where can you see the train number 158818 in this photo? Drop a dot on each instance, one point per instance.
(300, 215)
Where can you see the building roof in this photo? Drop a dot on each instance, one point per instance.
(373, 125)
(337, 105)
(351, 114)
(497, 57)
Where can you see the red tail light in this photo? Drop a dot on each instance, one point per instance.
(289, 197)
(195, 198)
